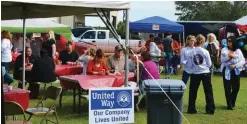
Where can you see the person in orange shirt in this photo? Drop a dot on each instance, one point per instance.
(97, 66)
(147, 44)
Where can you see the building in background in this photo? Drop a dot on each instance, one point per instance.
(76, 21)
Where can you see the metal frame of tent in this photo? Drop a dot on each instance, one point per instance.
(21, 9)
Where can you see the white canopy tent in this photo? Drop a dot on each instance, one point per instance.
(36, 22)
(43, 9)
(242, 21)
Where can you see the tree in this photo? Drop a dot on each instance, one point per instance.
(211, 10)
(121, 28)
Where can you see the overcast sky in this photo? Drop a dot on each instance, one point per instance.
(142, 9)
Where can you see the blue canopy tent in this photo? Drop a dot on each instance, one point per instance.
(156, 24)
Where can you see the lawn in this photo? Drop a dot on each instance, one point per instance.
(221, 116)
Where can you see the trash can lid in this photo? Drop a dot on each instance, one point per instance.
(168, 85)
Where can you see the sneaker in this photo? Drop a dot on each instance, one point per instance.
(210, 112)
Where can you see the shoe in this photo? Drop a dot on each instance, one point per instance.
(229, 108)
(192, 112)
(210, 112)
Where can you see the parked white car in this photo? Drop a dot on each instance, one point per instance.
(104, 39)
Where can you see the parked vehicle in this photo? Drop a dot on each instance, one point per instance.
(104, 39)
(79, 31)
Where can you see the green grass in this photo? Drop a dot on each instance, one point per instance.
(221, 116)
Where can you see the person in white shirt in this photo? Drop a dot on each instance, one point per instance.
(6, 55)
(232, 60)
(18, 42)
(154, 51)
(201, 63)
(186, 57)
(85, 58)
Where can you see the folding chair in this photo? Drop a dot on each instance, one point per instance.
(51, 93)
(13, 108)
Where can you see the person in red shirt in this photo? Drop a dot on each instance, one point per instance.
(97, 66)
(175, 46)
(147, 44)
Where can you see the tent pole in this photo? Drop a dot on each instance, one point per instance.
(127, 45)
(24, 52)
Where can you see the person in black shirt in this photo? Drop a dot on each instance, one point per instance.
(43, 70)
(30, 58)
(50, 46)
(68, 55)
(167, 42)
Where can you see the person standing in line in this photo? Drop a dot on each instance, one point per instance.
(212, 45)
(232, 60)
(186, 58)
(201, 63)
(151, 39)
(167, 42)
(155, 51)
(6, 56)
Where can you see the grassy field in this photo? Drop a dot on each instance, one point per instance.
(221, 116)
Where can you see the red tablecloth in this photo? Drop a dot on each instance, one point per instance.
(17, 95)
(93, 81)
(62, 70)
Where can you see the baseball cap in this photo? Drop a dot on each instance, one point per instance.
(118, 48)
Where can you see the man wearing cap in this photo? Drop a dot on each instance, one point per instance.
(67, 56)
(115, 63)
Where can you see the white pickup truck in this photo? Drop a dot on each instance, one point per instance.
(104, 39)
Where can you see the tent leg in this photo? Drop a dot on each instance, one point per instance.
(127, 45)
(24, 52)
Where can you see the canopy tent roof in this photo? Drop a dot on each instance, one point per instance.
(242, 21)
(42, 9)
(37, 25)
(156, 24)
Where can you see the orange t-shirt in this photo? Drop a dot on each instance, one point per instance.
(91, 67)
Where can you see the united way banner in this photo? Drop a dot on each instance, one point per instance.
(111, 105)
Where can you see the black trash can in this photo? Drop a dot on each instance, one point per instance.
(159, 108)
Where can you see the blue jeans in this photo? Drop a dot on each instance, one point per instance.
(185, 77)
(7, 77)
(167, 60)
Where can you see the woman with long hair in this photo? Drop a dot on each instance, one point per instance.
(97, 66)
(186, 57)
(232, 60)
(212, 45)
(6, 55)
(201, 63)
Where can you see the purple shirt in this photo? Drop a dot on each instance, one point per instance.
(153, 70)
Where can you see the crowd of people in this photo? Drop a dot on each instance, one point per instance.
(197, 57)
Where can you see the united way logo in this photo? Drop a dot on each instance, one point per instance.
(123, 99)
